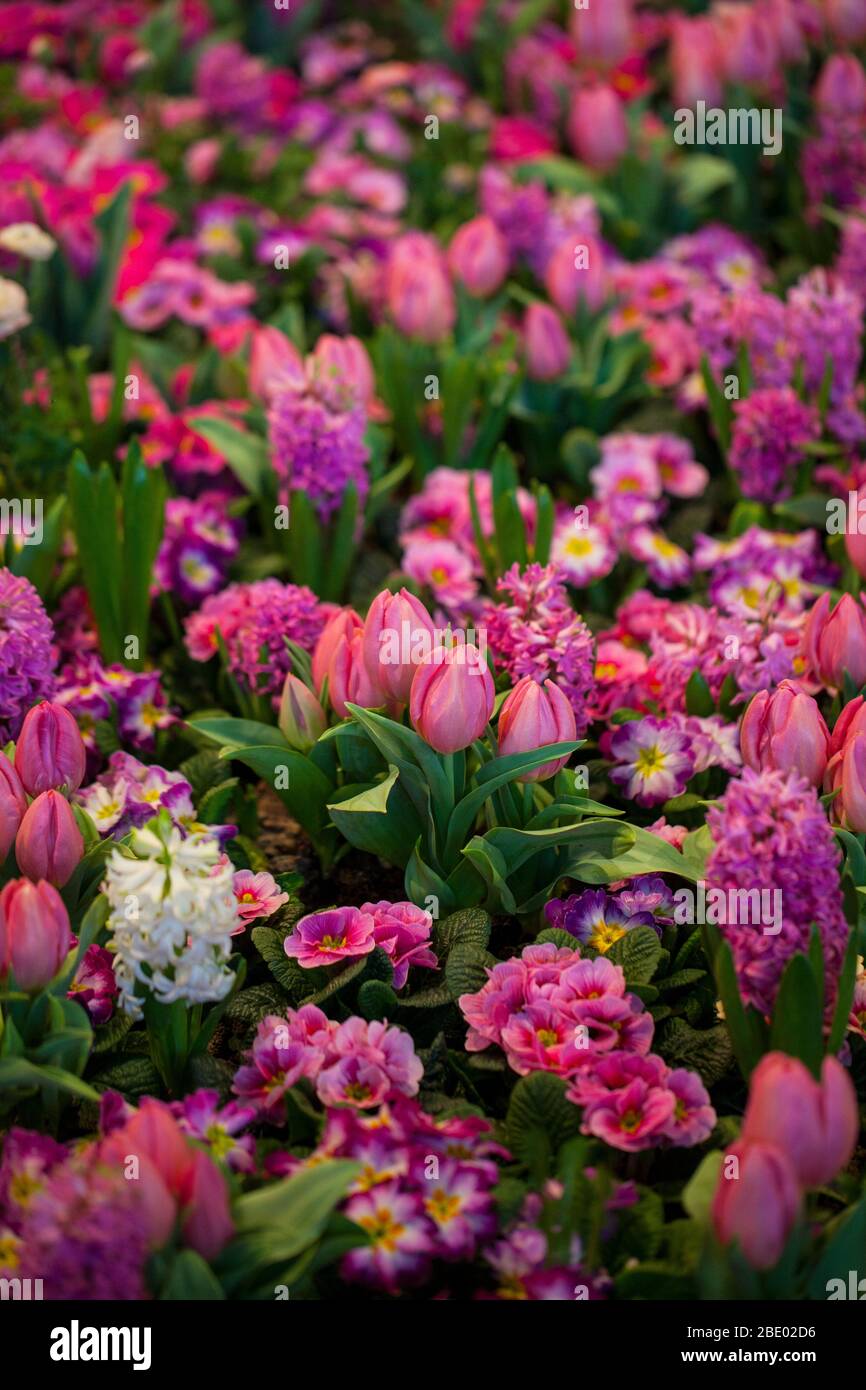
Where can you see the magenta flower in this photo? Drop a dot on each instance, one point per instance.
(771, 835)
(26, 652)
(402, 931)
(94, 985)
(201, 1116)
(632, 1118)
(400, 1238)
(257, 895)
(459, 1202)
(693, 1118)
(654, 760)
(324, 938)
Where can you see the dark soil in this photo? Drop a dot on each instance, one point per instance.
(358, 878)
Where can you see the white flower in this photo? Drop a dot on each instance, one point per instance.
(26, 239)
(13, 308)
(172, 916)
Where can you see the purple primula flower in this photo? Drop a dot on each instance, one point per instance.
(597, 918)
(201, 1116)
(655, 760)
(400, 1236)
(647, 893)
(693, 1118)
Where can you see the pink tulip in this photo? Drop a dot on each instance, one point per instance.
(348, 679)
(207, 1224)
(546, 344)
(13, 804)
(398, 638)
(344, 623)
(478, 256)
(530, 718)
(846, 774)
(345, 361)
(302, 721)
(748, 48)
(575, 274)
(50, 751)
(835, 641)
(34, 933)
(855, 545)
(597, 126)
(273, 359)
(418, 292)
(602, 32)
(846, 19)
(785, 730)
(849, 723)
(757, 1203)
(452, 698)
(815, 1123)
(695, 62)
(840, 92)
(49, 844)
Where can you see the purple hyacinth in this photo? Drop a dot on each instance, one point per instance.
(771, 834)
(27, 652)
(771, 428)
(318, 444)
(537, 633)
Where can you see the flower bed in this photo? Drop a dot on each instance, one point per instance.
(432, 650)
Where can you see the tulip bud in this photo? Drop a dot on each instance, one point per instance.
(835, 642)
(34, 933)
(207, 1223)
(597, 127)
(756, 1201)
(50, 751)
(546, 344)
(452, 698)
(603, 32)
(49, 844)
(849, 723)
(840, 92)
(273, 359)
(532, 717)
(695, 62)
(785, 731)
(346, 361)
(344, 623)
(846, 774)
(348, 679)
(815, 1124)
(846, 19)
(748, 48)
(575, 274)
(478, 256)
(13, 804)
(417, 289)
(302, 721)
(398, 638)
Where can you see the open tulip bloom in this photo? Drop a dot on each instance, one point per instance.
(433, 658)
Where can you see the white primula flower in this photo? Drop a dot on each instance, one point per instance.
(26, 239)
(173, 913)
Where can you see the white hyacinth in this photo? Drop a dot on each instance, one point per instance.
(172, 915)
